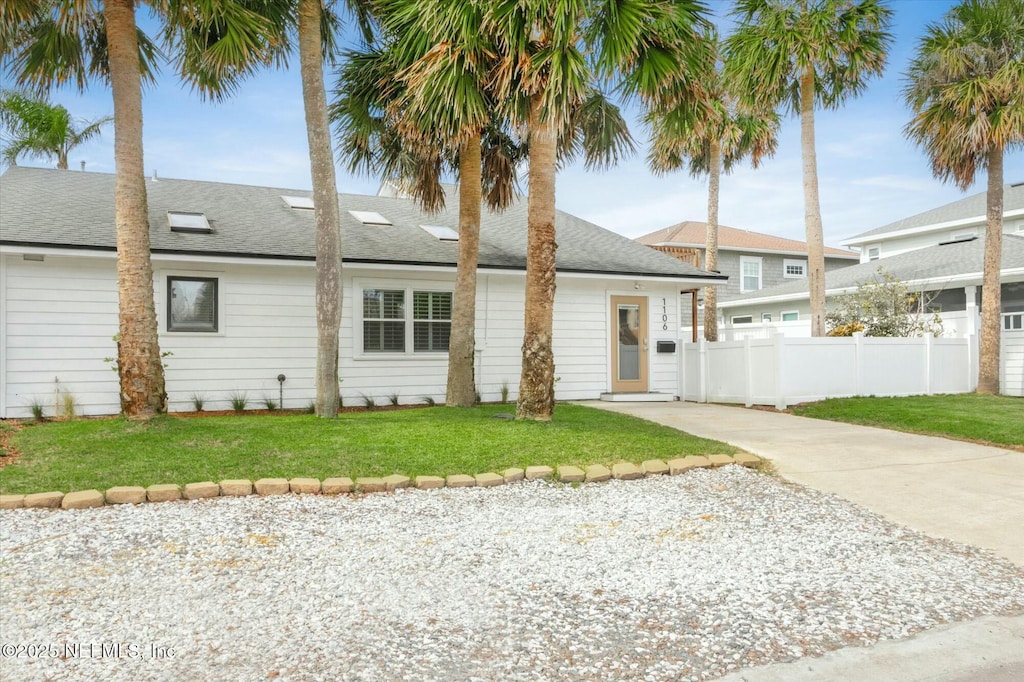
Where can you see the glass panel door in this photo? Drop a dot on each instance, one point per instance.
(629, 342)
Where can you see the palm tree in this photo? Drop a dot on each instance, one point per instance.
(311, 21)
(964, 87)
(424, 105)
(552, 56)
(388, 127)
(710, 141)
(41, 129)
(797, 54)
(54, 42)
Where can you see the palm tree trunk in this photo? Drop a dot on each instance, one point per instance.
(462, 344)
(991, 294)
(537, 381)
(140, 369)
(812, 207)
(325, 210)
(711, 243)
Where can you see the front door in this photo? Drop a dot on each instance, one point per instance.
(629, 344)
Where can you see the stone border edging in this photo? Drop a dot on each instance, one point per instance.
(167, 492)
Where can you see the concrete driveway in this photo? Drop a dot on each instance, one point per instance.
(961, 491)
(969, 493)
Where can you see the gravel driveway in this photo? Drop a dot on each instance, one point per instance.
(685, 577)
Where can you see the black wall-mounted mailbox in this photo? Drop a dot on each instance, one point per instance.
(666, 346)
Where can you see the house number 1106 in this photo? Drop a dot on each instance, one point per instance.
(664, 316)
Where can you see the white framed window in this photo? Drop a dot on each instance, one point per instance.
(790, 315)
(750, 273)
(404, 320)
(192, 304)
(1013, 321)
(383, 320)
(742, 319)
(432, 321)
(874, 252)
(766, 317)
(794, 269)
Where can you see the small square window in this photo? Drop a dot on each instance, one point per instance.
(794, 269)
(192, 304)
(766, 317)
(874, 253)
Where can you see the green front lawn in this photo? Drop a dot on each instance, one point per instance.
(991, 419)
(101, 453)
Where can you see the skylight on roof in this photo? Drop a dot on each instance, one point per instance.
(298, 202)
(445, 234)
(188, 221)
(370, 218)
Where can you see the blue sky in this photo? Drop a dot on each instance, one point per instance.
(869, 174)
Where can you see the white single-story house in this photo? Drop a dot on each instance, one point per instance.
(234, 287)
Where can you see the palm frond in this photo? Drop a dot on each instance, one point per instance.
(964, 86)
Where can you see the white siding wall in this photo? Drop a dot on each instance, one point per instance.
(664, 315)
(267, 327)
(58, 318)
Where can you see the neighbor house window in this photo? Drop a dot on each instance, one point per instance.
(742, 319)
(750, 273)
(1013, 321)
(874, 253)
(794, 268)
(766, 317)
(392, 326)
(191, 304)
(791, 316)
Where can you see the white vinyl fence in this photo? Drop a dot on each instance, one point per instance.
(1011, 378)
(782, 371)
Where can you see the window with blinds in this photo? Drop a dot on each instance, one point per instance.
(432, 321)
(390, 325)
(383, 321)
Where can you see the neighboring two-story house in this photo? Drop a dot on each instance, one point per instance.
(752, 260)
(938, 252)
(957, 221)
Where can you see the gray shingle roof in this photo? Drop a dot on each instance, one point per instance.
(973, 206)
(933, 262)
(76, 210)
